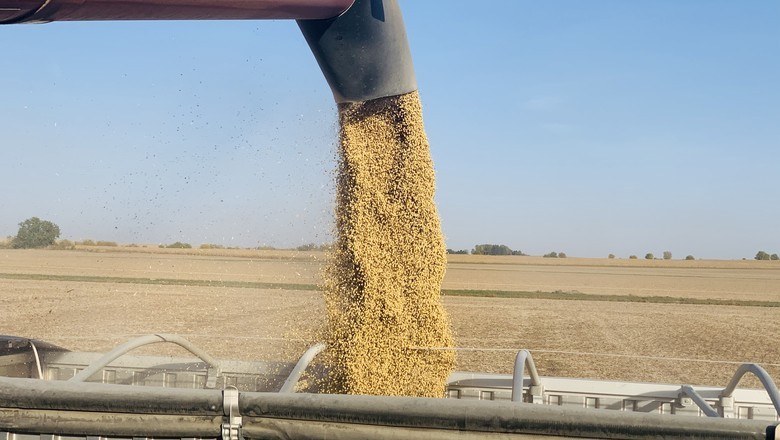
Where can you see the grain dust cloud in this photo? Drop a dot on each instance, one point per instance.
(383, 285)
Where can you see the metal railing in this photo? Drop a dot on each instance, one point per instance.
(687, 390)
(213, 371)
(524, 360)
(727, 393)
(762, 375)
(300, 367)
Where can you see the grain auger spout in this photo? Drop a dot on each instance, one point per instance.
(360, 45)
(364, 52)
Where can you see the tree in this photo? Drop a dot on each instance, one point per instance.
(551, 255)
(632, 257)
(491, 249)
(36, 233)
(690, 257)
(322, 247)
(761, 255)
(667, 255)
(178, 245)
(611, 256)
(774, 257)
(561, 255)
(649, 256)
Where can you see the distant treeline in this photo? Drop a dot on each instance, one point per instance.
(499, 249)
(502, 249)
(37, 233)
(761, 255)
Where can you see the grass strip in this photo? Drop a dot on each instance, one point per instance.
(556, 295)
(159, 281)
(578, 296)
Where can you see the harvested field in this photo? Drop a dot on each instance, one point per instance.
(759, 283)
(123, 294)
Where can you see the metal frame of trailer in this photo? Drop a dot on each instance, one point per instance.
(47, 392)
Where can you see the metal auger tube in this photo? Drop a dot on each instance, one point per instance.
(363, 53)
(361, 45)
(22, 11)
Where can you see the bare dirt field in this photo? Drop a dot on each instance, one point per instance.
(264, 304)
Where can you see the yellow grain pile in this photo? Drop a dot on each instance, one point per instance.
(382, 288)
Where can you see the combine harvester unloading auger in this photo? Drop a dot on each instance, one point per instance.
(49, 392)
(361, 45)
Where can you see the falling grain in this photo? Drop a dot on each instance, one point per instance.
(382, 289)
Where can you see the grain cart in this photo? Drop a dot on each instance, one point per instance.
(49, 392)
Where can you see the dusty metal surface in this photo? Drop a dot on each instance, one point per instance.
(30, 406)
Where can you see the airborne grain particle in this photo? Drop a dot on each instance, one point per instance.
(383, 286)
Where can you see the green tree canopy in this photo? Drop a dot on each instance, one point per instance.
(761, 255)
(35, 233)
(491, 249)
(178, 245)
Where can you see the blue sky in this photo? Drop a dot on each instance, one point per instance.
(589, 127)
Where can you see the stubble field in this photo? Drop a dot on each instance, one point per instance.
(661, 321)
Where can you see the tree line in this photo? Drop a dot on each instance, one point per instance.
(500, 249)
(761, 255)
(37, 233)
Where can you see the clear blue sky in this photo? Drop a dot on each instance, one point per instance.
(589, 127)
